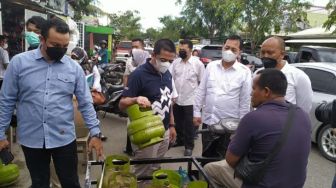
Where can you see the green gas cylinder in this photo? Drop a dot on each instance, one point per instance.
(8, 174)
(145, 129)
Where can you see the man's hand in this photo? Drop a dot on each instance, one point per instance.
(197, 121)
(3, 144)
(97, 144)
(143, 102)
(172, 134)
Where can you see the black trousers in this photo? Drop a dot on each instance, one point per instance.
(65, 160)
(214, 145)
(185, 129)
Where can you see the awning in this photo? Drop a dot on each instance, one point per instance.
(318, 41)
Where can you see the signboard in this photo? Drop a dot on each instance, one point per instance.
(58, 5)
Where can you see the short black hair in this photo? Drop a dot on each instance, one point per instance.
(2, 38)
(187, 41)
(58, 24)
(236, 37)
(38, 21)
(274, 79)
(139, 40)
(164, 44)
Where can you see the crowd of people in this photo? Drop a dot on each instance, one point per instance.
(271, 104)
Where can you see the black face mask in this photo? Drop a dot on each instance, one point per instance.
(56, 53)
(183, 54)
(269, 62)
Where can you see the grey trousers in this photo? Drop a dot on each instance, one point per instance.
(221, 173)
(154, 151)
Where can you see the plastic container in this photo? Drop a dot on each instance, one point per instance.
(145, 128)
(166, 178)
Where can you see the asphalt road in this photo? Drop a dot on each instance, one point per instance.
(320, 170)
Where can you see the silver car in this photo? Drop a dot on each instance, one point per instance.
(323, 79)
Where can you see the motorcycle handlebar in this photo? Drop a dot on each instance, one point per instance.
(202, 131)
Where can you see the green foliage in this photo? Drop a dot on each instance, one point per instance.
(85, 7)
(127, 24)
(331, 6)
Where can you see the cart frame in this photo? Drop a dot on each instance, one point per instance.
(190, 160)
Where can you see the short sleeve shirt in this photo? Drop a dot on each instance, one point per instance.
(146, 81)
(258, 133)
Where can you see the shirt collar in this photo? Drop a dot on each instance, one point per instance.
(38, 55)
(235, 65)
(286, 66)
(275, 102)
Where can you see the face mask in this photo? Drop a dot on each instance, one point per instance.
(56, 53)
(228, 56)
(162, 66)
(269, 62)
(5, 46)
(183, 54)
(32, 38)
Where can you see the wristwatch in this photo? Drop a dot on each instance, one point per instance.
(99, 135)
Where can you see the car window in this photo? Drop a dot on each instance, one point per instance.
(319, 78)
(127, 45)
(328, 56)
(211, 52)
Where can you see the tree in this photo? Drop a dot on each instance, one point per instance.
(173, 28)
(331, 21)
(151, 34)
(211, 18)
(127, 24)
(85, 7)
(264, 17)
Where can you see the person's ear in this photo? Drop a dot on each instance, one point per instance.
(267, 92)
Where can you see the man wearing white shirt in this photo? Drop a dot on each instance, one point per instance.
(187, 72)
(224, 92)
(299, 90)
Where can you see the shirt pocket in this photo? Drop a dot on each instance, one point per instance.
(191, 78)
(65, 82)
(231, 87)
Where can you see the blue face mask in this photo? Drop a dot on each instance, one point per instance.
(32, 38)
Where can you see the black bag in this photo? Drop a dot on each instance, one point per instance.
(253, 172)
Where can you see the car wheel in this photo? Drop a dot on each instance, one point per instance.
(326, 141)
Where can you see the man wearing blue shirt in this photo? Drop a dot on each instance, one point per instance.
(103, 52)
(151, 85)
(41, 84)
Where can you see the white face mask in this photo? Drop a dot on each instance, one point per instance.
(162, 66)
(5, 46)
(228, 56)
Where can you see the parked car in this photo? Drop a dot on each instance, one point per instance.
(323, 80)
(290, 57)
(123, 51)
(253, 62)
(210, 53)
(316, 54)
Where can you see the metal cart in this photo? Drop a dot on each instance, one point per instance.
(191, 161)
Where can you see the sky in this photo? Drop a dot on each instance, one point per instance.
(151, 10)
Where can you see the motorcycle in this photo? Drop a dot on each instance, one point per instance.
(112, 94)
(112, 73)
(220, 134)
